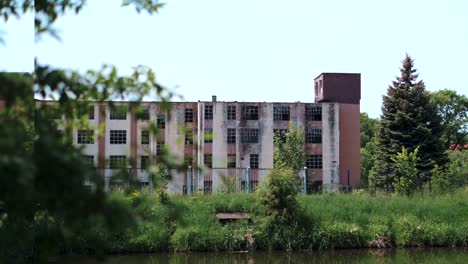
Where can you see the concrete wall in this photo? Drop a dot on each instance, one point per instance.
(331, 144)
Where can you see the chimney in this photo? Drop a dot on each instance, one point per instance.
(213, 98)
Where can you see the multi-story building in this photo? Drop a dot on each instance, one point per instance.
(233, 138)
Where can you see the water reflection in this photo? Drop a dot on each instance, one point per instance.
(435, 255)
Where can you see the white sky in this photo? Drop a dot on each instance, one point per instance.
(257, 50)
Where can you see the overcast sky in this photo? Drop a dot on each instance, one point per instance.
(257, 50)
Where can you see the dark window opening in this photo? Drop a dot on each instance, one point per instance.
(231, 112)
(117, 162)
(188, 115)
(118, 113)
(249, 135)
(208, 160)
(313, 135)
(161, 122)
(314, 162)
(250, 112)
(208, 112)
(231, 135)
(145, 137)
(144, 162)
(91, 113)
(188, 137)
(118, 136)
(145, 115)
(208, 137)
(231, 161)
(254, 161)
(85, 137)
(159, 147)
(313, 113)
(281, 113)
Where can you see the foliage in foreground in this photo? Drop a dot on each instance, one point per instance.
(327, 221)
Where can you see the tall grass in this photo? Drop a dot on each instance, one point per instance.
(188, 223)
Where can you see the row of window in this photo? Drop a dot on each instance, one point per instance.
(247, 136)
(120, 161)
(250, 112)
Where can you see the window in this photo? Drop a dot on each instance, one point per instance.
(314, 162)
(161, 121)
(313, 135)
(188, 137)
(91, 113)
(145, 115)
(117, 162)
(281, 112)
(118, 113)
(313, 113)
(118, 136)
(280, 134)
(250, 112)
(208, 138)
(188, 115)
(249, 135)
(208, 159)
(231, 112)
(231, 136)
(231, 161)
(85, 137)
(208, 112)
(89, 160)
(145, 137)
(254, 161)
(159, 147)
(144, 162)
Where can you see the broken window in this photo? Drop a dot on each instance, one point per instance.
(231, 161)
(249, 135)
(208, 112)
(159, 147)
(85, 137)
(144, 162)
(281, 113)
(313, 135)
(313, 113)
(250, 112)
(188, 115)
(231, 135)
(208, 135)
(117, 162)
(145, 137)
(118, 136)
(231, 112)
(208, 160)
(145, 115)
(118, 113)
(280, 134)
(314, 162)
(188, 137)
(254, 161)
(91, 112)
(161, 122)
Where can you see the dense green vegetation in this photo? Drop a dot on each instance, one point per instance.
(329, 221)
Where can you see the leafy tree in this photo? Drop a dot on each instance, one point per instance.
(407, 173)
(408, 120)
(369, 127)
(44, 204)
(454, 176)
(289, 149)
(453, 109)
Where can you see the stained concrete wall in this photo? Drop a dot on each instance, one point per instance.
(331, 144)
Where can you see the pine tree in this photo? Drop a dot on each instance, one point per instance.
(408, 120)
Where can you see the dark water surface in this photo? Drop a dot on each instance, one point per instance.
(434, 255)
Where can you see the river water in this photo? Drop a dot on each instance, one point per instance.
(433, 255)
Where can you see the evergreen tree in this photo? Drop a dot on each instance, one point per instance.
(408, 120)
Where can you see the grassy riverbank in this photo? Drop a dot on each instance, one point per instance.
(326, 221)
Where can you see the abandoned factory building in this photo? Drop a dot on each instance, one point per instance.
(234, 138)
